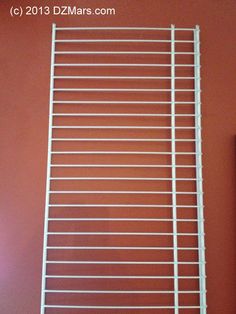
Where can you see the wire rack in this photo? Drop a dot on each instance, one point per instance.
(124, 228)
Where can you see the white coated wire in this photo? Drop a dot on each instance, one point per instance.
(58, 211)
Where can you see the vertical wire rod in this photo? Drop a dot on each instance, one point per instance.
(173, 162)
(49, 157)
(201, 252)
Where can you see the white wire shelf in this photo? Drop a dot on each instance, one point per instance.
(161, 87)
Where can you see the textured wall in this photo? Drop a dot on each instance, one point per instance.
(24, 81)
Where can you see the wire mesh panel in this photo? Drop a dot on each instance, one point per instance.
(124, 212)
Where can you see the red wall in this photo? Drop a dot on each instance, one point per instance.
(24, 81)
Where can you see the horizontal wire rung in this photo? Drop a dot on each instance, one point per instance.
(123, 152)
(122, 90)
(124, 115)
(120, 41)
(120, 127)
(124, 291)
(118, 102)
(120, 277)
(125, 178)
(123, 306)
(124, 262)
(124, 233)
(112, 77)
(123, 28)
(122, 52)
(119, 166)
(120, 139)
(121, 65)
(123, 205)
(123, 219)
(119, 192)
(162, 248)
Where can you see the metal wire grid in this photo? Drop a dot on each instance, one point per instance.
(124, 207)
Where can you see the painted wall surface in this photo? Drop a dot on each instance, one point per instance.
(24, 93)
